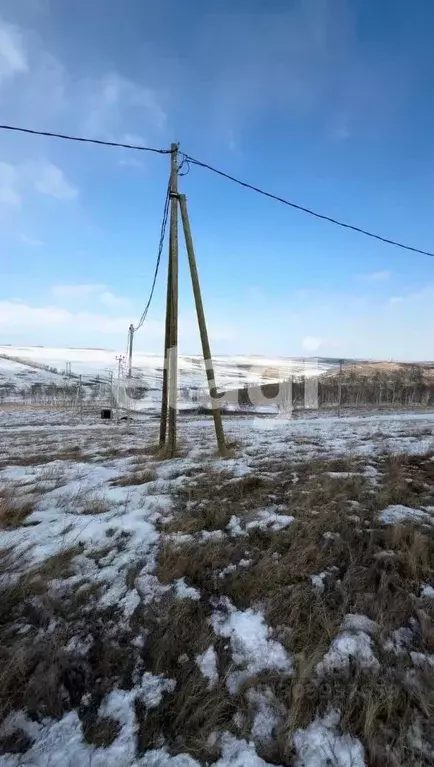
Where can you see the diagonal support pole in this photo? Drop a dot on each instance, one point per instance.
(202, 327)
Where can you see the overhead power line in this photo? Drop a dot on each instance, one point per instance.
(188, 159)
(157, 265)
(307, 210)
(82, 140)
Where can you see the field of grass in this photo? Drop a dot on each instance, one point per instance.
(275, 608)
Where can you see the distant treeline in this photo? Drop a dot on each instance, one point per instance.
(64, 395)
(404, 387)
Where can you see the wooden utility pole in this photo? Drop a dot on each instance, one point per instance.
(170, 370)
(79, 398)
(340, 389)
(130, 348)
(165, 388)
(202, 327)
(120, 359)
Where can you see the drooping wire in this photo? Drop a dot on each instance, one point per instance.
(331, 220)
(82, 140)
(160, 251)
(186, 159)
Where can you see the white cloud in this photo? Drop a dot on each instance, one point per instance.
(90, 291)
(30, 241)
(375, 276)
(13, 59)
(49, 179)
(68, 325)
(112, 106)
(41, 176)
(9, 179)
(344, 327)
(77, 291)
(115, 101)
(28, 70)
(311, 344)
(15, 314)
(112, 301)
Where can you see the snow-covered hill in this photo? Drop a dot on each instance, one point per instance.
(230, 371)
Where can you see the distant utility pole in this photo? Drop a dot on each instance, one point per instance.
(77, 405)
(170, 369)
(130, 348)
(120, 359)
(340, 388)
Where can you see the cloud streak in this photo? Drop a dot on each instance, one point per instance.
(9, 180)
(96, 292)
(13, 59)
(379, 276)
(40, 176)
(50, 180)
(77, 290)
(32, 242)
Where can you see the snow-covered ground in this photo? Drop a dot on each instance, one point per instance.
(22, 376)
(231, 371)
(206, 577)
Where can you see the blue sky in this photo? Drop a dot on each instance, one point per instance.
(325, 102)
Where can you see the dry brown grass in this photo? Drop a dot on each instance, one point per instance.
(35, 670)
(95, 505)
(37, 459)
(187, 717)
(100, 731)
(38, 675)
(83, 501)
(372, 569)
(13, 509)
(207, 503)
(140, 476)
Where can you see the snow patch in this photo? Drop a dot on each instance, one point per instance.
(352, 644)
(420, 659)
(427, 591)
(183, 591)
(267, 714)
(252, 648)
(400, 641)
(238, 753)
(207, 663)
(319, 745)
(357, 622)
(151, 689)
(393, 515)
(234, 527)
(270, 519)
(317, 582)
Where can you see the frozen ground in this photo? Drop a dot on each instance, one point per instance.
(231, 371)
(274, 608)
